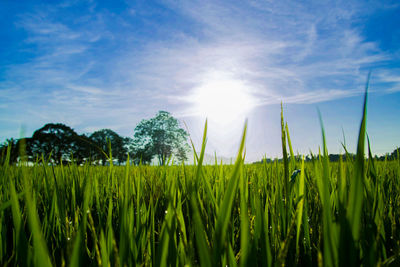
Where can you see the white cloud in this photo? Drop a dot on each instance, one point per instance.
(288, 51)
(282, 50)
(394, 89)
(277, 48)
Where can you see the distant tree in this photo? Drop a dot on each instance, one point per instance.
(160, 137)
(55, 139)
(16, 147)
(395, 154)
(12, 146)
(142, 154)
(101, 140)
(334, 157)
(138, 154)
(83, 149)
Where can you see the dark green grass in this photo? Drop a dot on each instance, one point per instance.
(172, 216)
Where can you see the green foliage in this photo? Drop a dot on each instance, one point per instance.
(101, 141)
(57, 143)
(160, 137)
(9, 151)
(54, 140)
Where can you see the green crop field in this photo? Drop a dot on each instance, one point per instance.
(316, 213)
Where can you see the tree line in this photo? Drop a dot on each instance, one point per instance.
(158, 138)
(336, 157)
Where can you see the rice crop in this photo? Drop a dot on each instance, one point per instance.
(288, 212)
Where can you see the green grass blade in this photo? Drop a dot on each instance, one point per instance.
(286, 175)
(300, 205)
(39, 245)
(356, 194)
(292, 158)
(244, 221)
(329, 229)
(226, 206)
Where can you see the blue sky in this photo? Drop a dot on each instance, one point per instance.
(109, 64)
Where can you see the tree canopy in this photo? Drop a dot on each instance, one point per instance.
(103, 139)
(57, 143)
(54, 140)
(160, 137)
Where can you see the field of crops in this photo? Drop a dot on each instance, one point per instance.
(317, 213)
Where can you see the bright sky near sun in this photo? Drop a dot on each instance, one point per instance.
(109, 64)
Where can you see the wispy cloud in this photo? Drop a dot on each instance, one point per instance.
(295, 54)
(103, 67)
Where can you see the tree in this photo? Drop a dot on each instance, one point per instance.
(395, 154)
(55, 139)
(140, 152)
(102, 138)
(12, 146)
(161, 137)
(83, 149)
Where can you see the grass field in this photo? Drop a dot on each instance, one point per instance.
(345, 213)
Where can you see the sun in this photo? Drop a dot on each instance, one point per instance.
(223, 102)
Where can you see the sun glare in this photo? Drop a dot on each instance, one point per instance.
(223, 102)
